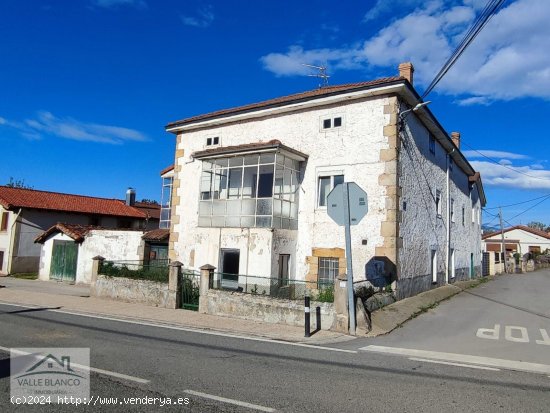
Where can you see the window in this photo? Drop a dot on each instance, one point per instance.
(433, 266)
(497, 257)
(4, 223)
(332, 123)
(452, 210)
(124, 223)
(473, 215)
(94, 221)
(438, 203)
(1, 260)
(451, 163)
(328, 270)
(325, 185)
(213, 141)
(284, 260)
(463, 215)
(166, 202)
(258, 190)
(432, 144)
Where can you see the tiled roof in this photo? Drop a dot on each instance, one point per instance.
(520, 227)
(160, 234)
(74, 231)
(284, 100)
(247, 147)
(152, 210)
(11, 198)
(167, 169)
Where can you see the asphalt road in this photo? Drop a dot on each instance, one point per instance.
(269, 375)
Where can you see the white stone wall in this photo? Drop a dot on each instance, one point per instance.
(110, 244)
(352, 150)
(422, 173)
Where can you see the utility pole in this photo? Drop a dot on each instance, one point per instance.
(502, 244)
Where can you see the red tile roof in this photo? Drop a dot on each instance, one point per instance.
(285, 100)
(152, 210)
(520, 227)
(11, 198)
(74, 231)
(160, 234)
(167, 169)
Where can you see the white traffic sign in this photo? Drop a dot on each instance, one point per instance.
(358, 206)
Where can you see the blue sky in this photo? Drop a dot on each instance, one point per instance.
(88, 85)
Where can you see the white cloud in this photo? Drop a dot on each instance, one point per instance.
(519, 177)
(46, 123)
(493, 154)
(112, 4)
(474, 100)
(383, 7)
(202, 19)
(504, 62)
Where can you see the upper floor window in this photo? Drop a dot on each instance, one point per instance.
(438, 203)
(331, 123)
(452, 206)
(213, 141)
(166, 202)
(463, 215)
(325, 185)
(256, 190)
(4, 223)
(432, 144)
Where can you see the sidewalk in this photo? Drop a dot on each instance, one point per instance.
(75, 299)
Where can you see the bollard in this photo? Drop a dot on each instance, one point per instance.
(306, 316)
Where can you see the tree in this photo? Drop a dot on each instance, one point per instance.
(538, 225)
(18, 183)
(149, 201)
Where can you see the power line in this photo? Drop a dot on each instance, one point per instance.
(519, 203)
(504, 166)
(530, 208)
(487, 13)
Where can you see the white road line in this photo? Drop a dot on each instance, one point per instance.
(464, 358)
(230, 401)
(453, 364)
(84, 368)
(189, 329)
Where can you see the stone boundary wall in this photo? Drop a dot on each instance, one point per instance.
(266, 309)
(129, 290)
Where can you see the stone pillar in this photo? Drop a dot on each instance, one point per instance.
(97, 260)
(207, 278)
(174, 279)
(341, 323)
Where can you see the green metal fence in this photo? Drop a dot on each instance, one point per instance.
(140, 270)
(273, 287)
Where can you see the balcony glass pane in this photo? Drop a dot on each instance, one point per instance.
(249, 182)
(237, 161)
(205, 208)
(251, 160)
(233, 221)
(263, 222)
(235, 183)
(204, 222)
(264, 206)
(234, 207)
(218, 221)
(218, 207)
(265, 183)
(247, 222)
(267, 158)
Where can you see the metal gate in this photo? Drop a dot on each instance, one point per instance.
(64, 260)
(190, 290)
(485, 264)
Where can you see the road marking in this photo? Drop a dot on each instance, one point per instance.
(189, 329)
(84, 368)
(453, 364)
(464, 358)
(230, 401)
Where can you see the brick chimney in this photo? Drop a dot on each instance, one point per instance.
(455, 137)
(406, 70)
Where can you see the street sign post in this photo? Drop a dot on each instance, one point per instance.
(347, 205)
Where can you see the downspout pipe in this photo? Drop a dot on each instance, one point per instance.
(12, 241)
(448, 220)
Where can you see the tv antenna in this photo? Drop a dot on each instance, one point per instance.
(321, 75)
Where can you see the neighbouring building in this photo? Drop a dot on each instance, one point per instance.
(250, 187)
(67, 250)
(167, 176)
(27, 213)
(517, 239)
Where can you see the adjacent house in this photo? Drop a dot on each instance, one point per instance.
(250, 187)
(518, 239)
(67, 250)
(27, 213)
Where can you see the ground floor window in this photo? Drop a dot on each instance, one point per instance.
(328, 270)
(1, 260)
(434, 266)
(284, 262)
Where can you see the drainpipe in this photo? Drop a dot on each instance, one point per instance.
(448, 220)
(12, 241)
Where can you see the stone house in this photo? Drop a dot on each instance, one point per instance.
(26, 213)
(251, 183)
